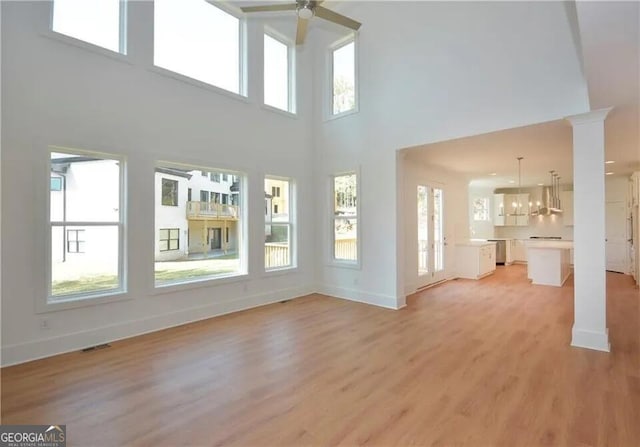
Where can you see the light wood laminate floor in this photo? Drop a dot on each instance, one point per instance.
(472, 363)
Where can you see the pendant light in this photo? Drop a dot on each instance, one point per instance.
(517, 205)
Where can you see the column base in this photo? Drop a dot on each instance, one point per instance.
(598, 341)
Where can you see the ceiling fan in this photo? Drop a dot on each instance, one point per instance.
(306, 9)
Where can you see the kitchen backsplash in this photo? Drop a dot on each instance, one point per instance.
(538, 226)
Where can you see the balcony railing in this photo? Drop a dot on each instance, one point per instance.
(276, 255)
(346, 249)
(211, 210)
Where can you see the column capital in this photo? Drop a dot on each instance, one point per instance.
(589, 117)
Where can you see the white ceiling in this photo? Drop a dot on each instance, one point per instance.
(545, 147)
(609, 42)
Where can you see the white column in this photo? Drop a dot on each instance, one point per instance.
(590, 299)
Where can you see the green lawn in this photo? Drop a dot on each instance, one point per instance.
(100, 283)
(165, 276)
(84, 285)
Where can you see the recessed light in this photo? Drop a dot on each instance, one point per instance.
(512, 181)
(540, 184)
(494, 173)
(609, 173)
(609, 162)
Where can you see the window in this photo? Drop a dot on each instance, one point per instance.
(99, 22)
(345, 218)
(75, 241)
(169, 239)
(278, 249)
(198, 241)
(481, 209)
(225, 177)
(169, 192)
(343, 78)
(275, 191)
(86, 227)
(56, 183)
(189, 195)
(198, 40)
(277, 74)
(215, 177)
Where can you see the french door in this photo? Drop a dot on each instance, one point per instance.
(431, 239)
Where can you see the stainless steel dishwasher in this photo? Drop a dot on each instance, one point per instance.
(501, 250)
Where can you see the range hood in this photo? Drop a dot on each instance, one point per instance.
(550, 203)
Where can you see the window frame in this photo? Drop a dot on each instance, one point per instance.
(75, 300)
(122, 31)
(75, 241)
(329, 115)
(291, 224)
(357, 264)
(169, 239)
(486, 209)
(291, 72)
(175, 192)
(243, 75)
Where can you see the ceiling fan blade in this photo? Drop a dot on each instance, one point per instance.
(270, 8)
(334, 17)
(301, 33)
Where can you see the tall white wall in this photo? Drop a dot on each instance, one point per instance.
(432, 71)
(57, 93)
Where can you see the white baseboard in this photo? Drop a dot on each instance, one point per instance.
(598, 341)
(375, 299)
(24, 352)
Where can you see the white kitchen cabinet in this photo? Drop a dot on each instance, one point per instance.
(566, 202)
(511, 248)
(475, 260)
(519, 250)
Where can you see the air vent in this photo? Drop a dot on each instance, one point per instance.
(95, 348)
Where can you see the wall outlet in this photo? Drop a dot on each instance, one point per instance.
(44, 324)
(355, 281)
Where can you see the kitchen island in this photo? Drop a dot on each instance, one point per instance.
(549, 262)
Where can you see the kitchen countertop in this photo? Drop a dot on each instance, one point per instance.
(475, 243)
(562, 244)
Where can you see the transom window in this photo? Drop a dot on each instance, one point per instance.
(343, 78)
(278, 88)
(345, 217)
(99, 22)
(198, 40)
(86, 226)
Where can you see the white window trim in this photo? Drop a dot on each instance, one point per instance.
(122, 34)
(292, 109)
(243, 250)
(98, 297)
(332, 261)
(293, 233)
(328, 102)
(242, 59)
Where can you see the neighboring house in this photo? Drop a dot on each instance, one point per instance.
(197, 213)
(92, 248)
